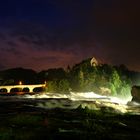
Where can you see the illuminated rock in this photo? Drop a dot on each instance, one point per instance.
(135, 92)
(105, 91)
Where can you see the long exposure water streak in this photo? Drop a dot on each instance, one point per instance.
(73, 100)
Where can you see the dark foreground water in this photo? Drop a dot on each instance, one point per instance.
(75, 116)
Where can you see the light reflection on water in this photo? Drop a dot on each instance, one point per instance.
(73, 100)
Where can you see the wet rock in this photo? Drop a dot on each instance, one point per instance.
(135, 92)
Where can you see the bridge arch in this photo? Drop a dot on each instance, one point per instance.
(3, 90)
(26, 89)
(16, 89)
(38, 89)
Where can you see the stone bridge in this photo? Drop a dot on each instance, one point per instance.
(21, 88)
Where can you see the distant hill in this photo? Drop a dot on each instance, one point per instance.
(13, 76)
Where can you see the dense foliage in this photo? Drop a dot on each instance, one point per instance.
(102, 79)
(83, 77)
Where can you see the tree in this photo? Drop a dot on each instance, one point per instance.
(115, 82)
(60, 86)
(63, 86)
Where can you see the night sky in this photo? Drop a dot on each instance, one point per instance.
(42, 34)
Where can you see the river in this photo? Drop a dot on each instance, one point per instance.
(72, 101)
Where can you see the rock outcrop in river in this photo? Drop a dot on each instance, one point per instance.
(135, 92)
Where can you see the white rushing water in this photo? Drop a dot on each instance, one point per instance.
(74, 99)
(78, 96)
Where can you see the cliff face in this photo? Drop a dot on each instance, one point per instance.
(135, 92)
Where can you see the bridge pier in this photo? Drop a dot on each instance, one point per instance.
(31, 89)
(8, 90)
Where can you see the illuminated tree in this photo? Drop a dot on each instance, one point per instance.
(81, 79)
(63, 86)
(115, 82)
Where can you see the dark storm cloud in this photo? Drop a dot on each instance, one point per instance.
(28, 29)
(67, 20)
(11, 50)
(48, 30)
(43, 38)
(32, 34)
(120, 19)
(51, 59)
(2, 66)
(12, 43)
(9, 47)
(25, 40)
(117, 29)
(2, 36)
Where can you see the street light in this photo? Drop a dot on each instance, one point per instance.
(20, 82)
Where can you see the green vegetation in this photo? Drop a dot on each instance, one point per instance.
(102, 78)
(61, 86)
